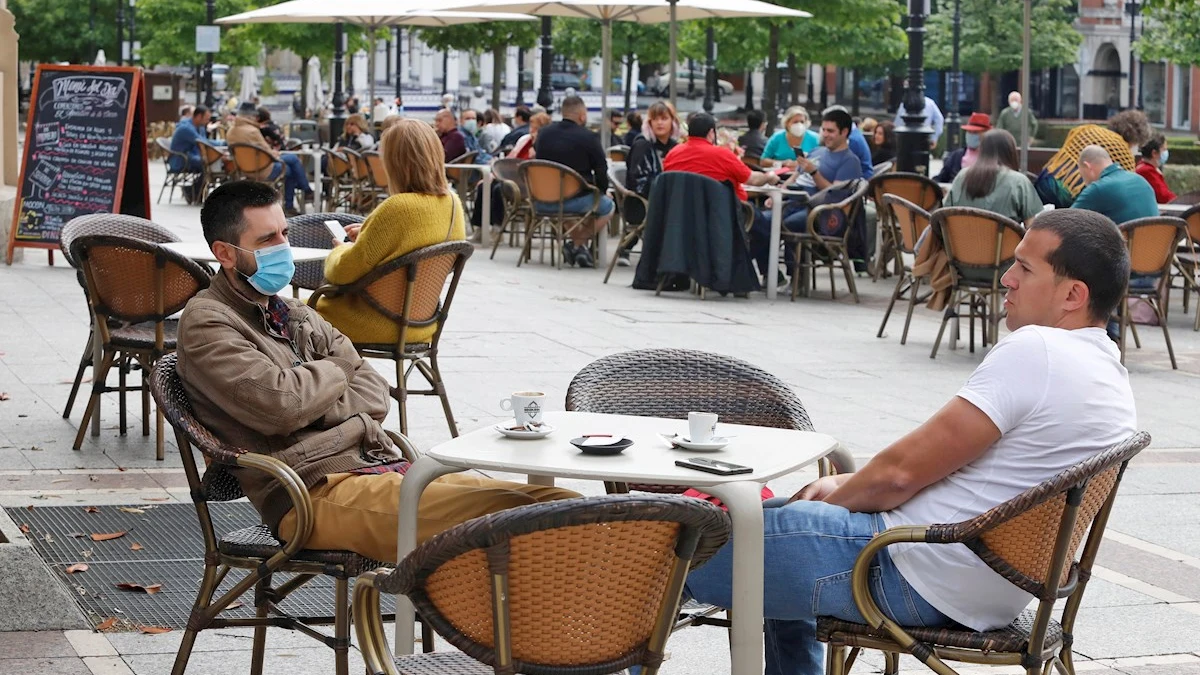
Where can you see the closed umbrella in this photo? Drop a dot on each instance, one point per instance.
(314, 94)
(249, 87)
(370, 14)
(642, 11)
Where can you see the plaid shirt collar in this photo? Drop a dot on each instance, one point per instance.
(276, 315)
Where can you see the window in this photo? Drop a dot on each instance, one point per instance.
(1182, 110)
(1154, 91)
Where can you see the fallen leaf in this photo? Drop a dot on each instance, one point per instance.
(136, 547)
(93, 478)
(234, 605)
(107, 623)
(77, 567)
(107, 536)
(120, 468)
(129, 509)
(148, 590)
(24, 529)
(91, 509)
(82, 380)
(49, 538)
(61, 480)
(4, 396)
(29, 508)
(154, 630)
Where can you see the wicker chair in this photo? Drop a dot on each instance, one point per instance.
(308, 231)
(633, 209)
(553, 184)
(378, 174)
(139, 284)
(909, 221)
(1187, 260)
(611, 569)
(883, 167)
(339, 188)
(1030, 540)
(255, 548)
(251, 160)
(980, 246)
(517, 209)
(182, 179)
(920, 190)
(815, 249)
(408, 291)
(363, 193)
(118, 225)
(1152, 243)
(216, 167)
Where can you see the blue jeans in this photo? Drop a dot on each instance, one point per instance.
(810, 549)
(794, 220)
(296, 177)
(578, 204)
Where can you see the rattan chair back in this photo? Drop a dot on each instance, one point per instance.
(508, 168)
(570, 587)
(115, 224)
(337, 165)
(916, 188)
(850, 206)
(910, 220)
(550, 182)
(633, 206)
(133, 280)
(456, 175)
(164, 144)
(308, 230)
(212, 156)
(376, 170)
(975, 238)
(250, 160)
(882, 168)
(1152, 243)
(1192, 218)
(618, 153)
(359, 167)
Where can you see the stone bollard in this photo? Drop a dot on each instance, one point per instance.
(8, 201)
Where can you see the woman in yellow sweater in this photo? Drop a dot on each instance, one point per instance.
(421, 211)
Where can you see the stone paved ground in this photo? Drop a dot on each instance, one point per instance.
(534, 327)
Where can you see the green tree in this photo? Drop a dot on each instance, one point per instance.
(52, 30)
(580, 40)
(307, 40)
(991, 39)
(494, 36)
(1174, 32)
(173, 38)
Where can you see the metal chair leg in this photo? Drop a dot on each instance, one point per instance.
(401, 393)
(94, 400)
(85, 362)
(341, 626)
(1162, 321)
(913, 291)
(262, 610)
(896, 293)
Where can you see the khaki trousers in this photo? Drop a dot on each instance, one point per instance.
(360, 512)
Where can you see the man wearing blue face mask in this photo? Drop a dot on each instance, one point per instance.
(271, 375)
(962, 158)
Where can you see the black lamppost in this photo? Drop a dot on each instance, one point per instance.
(338, 118)
(399, 60)
(132, 34)
(121, 32)
(545, 97)
(1131, 8)
(210, 14)
(710, 68)
(952, 118)
(520, 77)
(912, 153)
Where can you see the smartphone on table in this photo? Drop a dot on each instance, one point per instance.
(713, 466)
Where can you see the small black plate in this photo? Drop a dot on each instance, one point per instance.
(610, 449)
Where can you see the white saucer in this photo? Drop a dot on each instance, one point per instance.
(522, 433)
(713, 444)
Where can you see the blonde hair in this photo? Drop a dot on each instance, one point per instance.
(358, 121)
(792, 112)
(413, 159)
(661, 110)
(538, 121)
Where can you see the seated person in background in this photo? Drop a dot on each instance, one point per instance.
(494, 131)
(868, 127)
(570, 143)
(421, 211)
(270, 131)
(454, 142)
(521, 120)
(857, 142)
(659, 135)
(524, 146)
(615, 119)
(795, 138)
(994, 183)
(883, 146)
(634, 119)
(1048, 396)
(1111, 190)
(269, 374)
(964, 157)
(245, 130)
(380, 111)
(470, 131)
(355, 136)
(1149, 166)
(185, 140)
(1060, 182)
(699, 154)
(753, 141)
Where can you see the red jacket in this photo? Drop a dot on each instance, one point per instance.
(1154, 177)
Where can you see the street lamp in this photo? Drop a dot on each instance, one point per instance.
(210, 12)
(338, 118)
(952, 118)
(134, 47)
(121, 33)
(520, 77)
(912, 152)
(544, 96)
(710, 68)
(1132, 8)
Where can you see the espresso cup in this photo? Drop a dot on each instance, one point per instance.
(526, 407)
(701, 426)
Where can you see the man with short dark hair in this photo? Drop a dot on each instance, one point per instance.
(568, 142)
(520, 127)
(753, 140)
(269, 374)
(836, 162)
(701, 155)
(1048, 396)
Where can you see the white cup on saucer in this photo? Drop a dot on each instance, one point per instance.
(701, 426)
(527, 407)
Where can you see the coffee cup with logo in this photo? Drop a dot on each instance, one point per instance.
(702, 426)
(528, 407)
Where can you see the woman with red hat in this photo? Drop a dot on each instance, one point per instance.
(964, 157)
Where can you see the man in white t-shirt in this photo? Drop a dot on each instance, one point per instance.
(1047, 396)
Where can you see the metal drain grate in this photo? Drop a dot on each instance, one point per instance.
(171, 554)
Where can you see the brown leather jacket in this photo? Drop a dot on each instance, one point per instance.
(310, 401)
(245, 130)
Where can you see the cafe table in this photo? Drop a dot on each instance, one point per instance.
(1174, 209)
(485, 171)
(201, 253)
(770, 452)
(776, 194)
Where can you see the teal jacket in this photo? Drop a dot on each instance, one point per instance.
(1119, 194)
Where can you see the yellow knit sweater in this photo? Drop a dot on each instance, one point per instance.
(400, 225)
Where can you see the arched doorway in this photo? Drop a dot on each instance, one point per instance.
(1106, 78)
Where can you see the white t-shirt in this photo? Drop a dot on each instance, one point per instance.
(1058, 397)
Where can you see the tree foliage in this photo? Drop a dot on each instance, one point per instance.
(991, 36)
(173, 38)
(53, 30)
(493, 36)
(580, 39)
(1171, 32)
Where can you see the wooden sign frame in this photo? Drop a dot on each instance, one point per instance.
(131, 196)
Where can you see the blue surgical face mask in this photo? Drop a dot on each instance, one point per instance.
(1162, 158)
(470, 126)
(275, 268)
(972, 141)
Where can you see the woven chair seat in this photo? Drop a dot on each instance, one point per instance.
(389, 347)
(258, 542)
(441, 663)
(141, 335)
(1012, 638)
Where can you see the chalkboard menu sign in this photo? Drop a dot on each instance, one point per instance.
(85, 152)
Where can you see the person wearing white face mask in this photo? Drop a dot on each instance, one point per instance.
(962, 158)
(1149, 166)
(1010, 118)
(796, 134)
